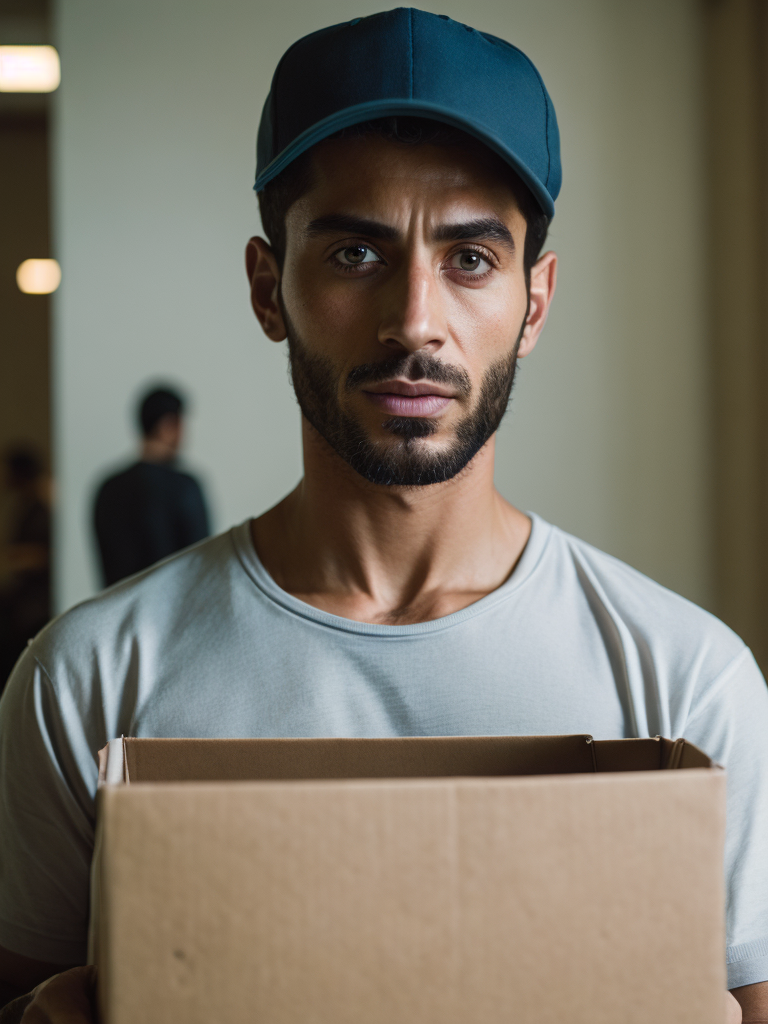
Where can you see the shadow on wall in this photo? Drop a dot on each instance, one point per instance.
(152, 508)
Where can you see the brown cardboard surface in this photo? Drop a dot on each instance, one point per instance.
(200, 760)
(166, 760)
(589, 895)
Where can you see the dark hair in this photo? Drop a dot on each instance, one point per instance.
(282, 192)
(158, 403)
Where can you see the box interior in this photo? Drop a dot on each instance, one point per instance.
(201, 760)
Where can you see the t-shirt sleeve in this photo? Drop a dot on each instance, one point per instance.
(731, 725)
(48, 778)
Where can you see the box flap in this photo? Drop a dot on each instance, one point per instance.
(644, 755)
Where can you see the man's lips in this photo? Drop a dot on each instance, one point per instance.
(407, 398)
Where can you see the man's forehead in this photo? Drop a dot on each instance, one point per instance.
(371, 178)
(374, 157)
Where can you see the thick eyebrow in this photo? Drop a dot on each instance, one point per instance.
(488, 227)
(339, 223)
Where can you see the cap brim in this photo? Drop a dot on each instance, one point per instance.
(404, 107)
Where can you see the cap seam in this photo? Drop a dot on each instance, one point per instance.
(544, 94)
(410, 47)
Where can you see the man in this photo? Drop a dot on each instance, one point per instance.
(152, 509)
(408, 167)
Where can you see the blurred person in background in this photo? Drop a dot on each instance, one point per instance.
(25, 598)
(151, 509)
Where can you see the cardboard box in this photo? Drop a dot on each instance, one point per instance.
(502, 880)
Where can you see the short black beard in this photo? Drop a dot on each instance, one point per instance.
(408, 464)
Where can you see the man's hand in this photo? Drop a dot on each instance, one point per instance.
(67, 998)
(68, 1001)
(19, 974)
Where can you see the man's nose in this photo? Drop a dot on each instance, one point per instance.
(413, 317)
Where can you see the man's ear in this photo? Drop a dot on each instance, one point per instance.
(543, 282)
(264, 276)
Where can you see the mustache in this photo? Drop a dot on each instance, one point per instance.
(412, 366)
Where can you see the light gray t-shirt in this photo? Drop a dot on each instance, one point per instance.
(206, 644)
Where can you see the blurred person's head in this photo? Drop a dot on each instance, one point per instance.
(160, 416)
(404, 261)
(23, 467)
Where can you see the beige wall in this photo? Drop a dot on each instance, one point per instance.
(736, 63)
(157, 114)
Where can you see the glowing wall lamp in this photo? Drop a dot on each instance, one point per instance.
(29, 69)
(38, 277)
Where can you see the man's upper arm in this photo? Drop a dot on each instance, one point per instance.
(753, 1000)
(47, 780)
(731, 725)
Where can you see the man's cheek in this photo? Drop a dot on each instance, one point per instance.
(330, 314)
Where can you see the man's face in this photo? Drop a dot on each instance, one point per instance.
(403, 298)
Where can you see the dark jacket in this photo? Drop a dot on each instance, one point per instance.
(147, 512)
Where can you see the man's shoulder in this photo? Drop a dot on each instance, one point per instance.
(142, 605)
(116, 481)
(140, 470)
(185, 478)
(173, 478)
(649, 610)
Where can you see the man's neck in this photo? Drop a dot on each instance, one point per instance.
(390, 555)
(156, 450)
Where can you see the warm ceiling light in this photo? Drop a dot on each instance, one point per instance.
(29, 69)
(38, 277)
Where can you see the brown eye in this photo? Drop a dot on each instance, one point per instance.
(470, 262)
(356, 254)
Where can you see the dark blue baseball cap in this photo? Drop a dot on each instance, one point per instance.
(409, 62)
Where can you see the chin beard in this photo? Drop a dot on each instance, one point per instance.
(410, 461)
